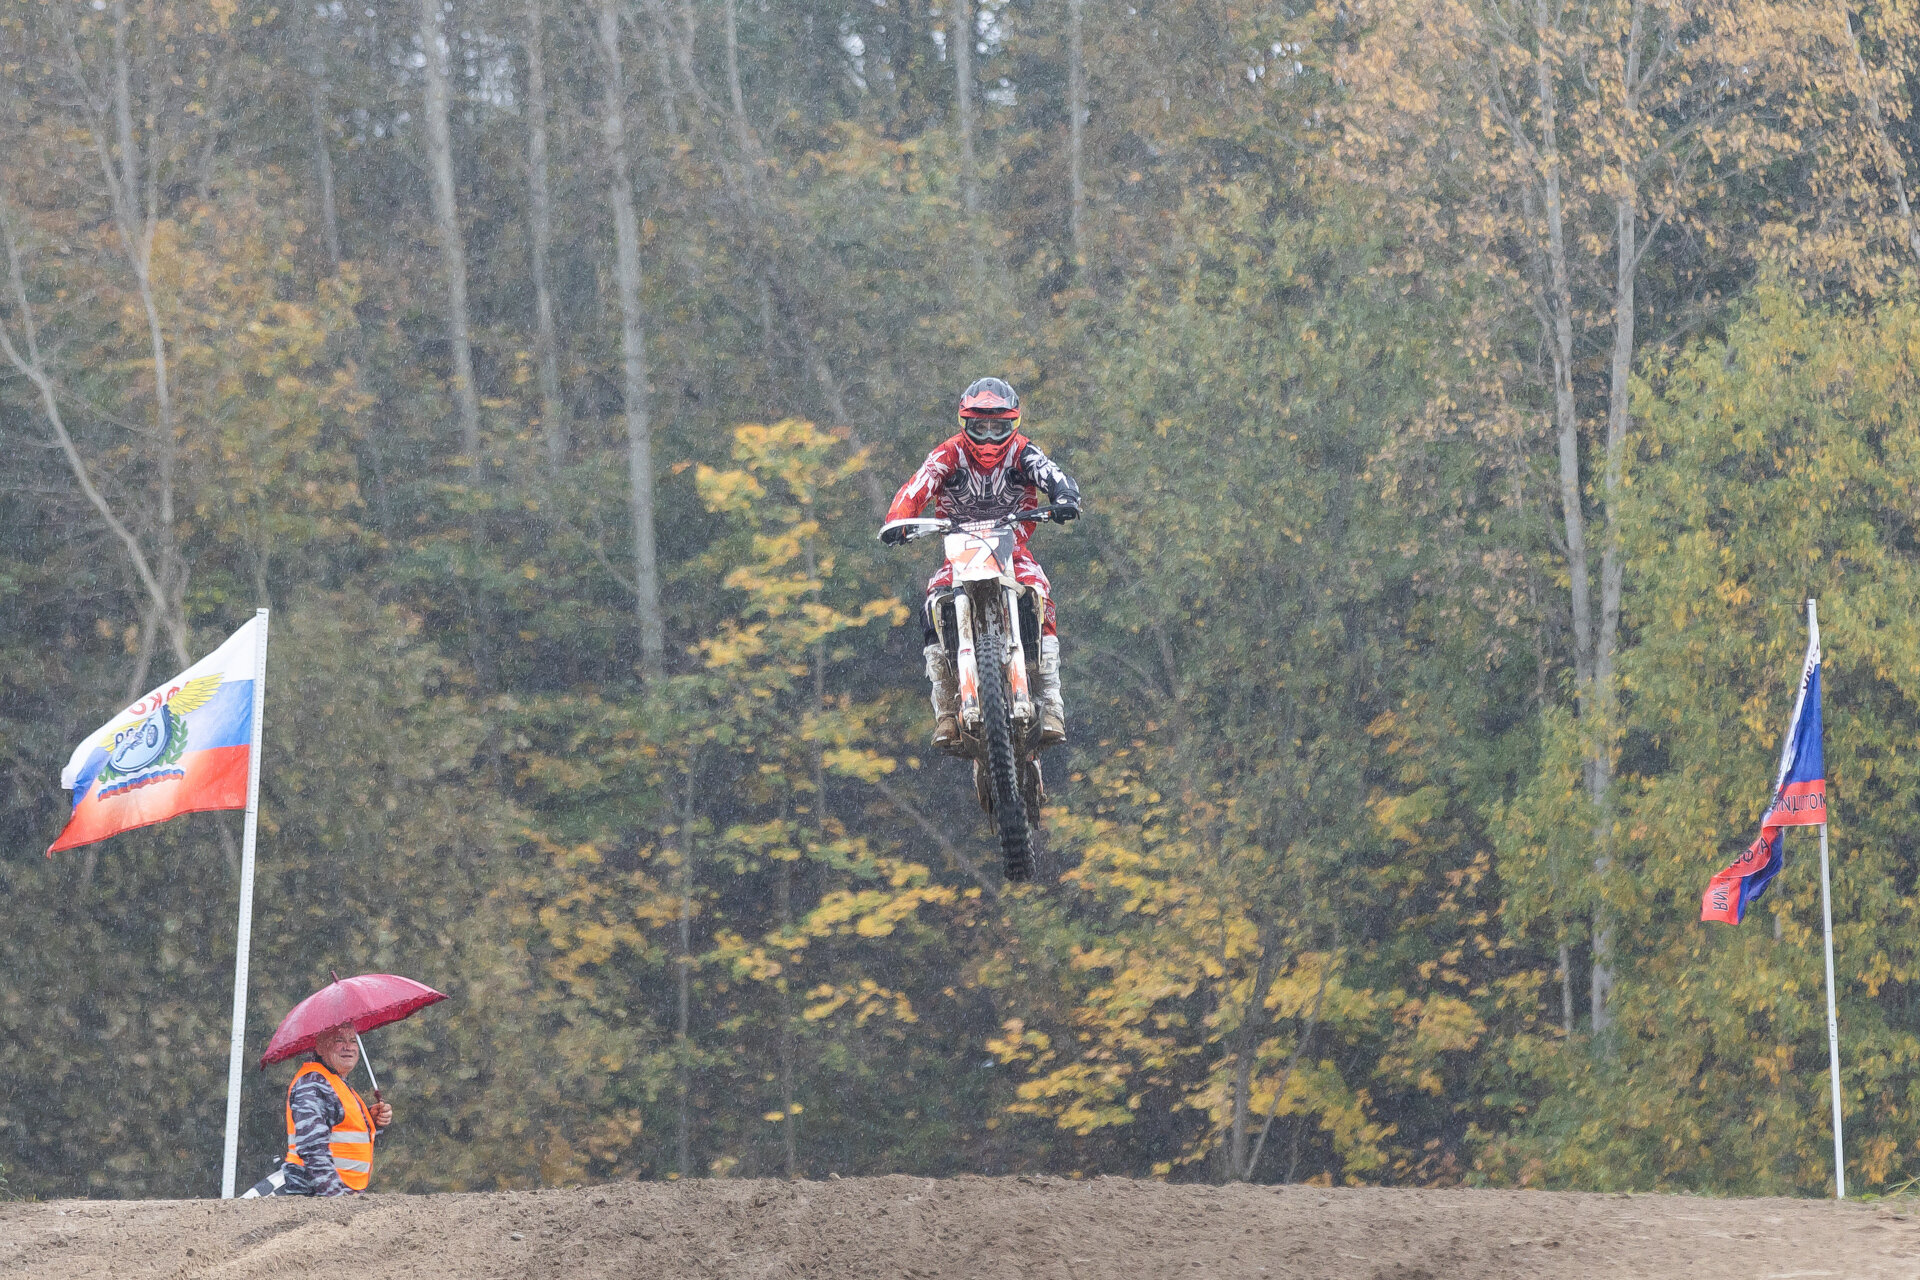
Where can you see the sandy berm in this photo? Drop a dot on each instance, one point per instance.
(965, 1227)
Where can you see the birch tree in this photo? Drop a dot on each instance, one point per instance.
(1862, 230)
(319, 92)
(633, 348)
(1549, 148)
(25, 356)
(540, 234)
(963, 38)
(794, 289)
(453, 249)
(130, 159)
(1076, 133)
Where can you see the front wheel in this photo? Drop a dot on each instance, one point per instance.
(1003, 768)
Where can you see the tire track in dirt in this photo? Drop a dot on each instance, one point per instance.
(971, 1228)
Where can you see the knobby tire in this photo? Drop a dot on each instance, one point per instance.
(1003, 767)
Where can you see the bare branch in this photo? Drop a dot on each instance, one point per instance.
(1895, 164)
(29, 365)
(1279, 1089)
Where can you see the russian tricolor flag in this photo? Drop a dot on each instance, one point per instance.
(181, 749)
(1799, 800)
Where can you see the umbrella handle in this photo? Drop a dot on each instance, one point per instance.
(367, 1062)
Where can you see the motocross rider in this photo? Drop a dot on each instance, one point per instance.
(985, 472)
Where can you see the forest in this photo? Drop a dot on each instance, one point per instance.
(1467, 396)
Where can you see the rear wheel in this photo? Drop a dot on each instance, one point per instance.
(1003, 769)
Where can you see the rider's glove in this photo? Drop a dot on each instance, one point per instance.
(893, 536)
(1065, 511)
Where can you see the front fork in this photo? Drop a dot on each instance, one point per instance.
(965, 666)
(1017, 667)
(967, 659)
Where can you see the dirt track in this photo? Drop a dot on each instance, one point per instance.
(962, 1227)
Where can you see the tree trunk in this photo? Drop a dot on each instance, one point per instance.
(663, 71)
(987, 314)
(1567, 428)
(26, 360)
(1565, 411)
(1076, 125)
(742, 138)
(788, 1117)
(963, 101)
(745, 178)
(466, 394)
(1566, 989)
(1237, 1137)
(1293, 1060)
(1247, 1043)
(453, 249)
(1890, 157)
(318, 92)
(633, 351)
(540, 213)
(136, 191)
(1612, 581)
(1612, 564)
(683, 997)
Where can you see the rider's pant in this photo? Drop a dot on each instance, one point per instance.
(1026, 571)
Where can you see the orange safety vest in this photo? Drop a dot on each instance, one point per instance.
(351, 1142)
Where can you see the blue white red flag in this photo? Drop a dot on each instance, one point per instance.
(1799, 800)
(181, 749)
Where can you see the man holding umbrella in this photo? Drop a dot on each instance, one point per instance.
(330, 1128)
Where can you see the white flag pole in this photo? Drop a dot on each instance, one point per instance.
(230, 1161)
(1833, 1028)
(1833, 1020)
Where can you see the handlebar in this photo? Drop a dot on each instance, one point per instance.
(918, 528)
(1036, 513)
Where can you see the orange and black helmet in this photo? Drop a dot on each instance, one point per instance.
(989, 411)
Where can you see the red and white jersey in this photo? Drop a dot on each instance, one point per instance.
(960, 488)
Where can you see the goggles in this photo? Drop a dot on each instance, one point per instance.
(990, 430)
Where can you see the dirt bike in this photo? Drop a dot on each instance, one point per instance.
(989, 623)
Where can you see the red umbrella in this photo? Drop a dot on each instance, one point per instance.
(368, 1001)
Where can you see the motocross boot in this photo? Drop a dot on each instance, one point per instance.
(946, 698)
(1053, 708)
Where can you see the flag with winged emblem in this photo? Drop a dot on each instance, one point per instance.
(1799, 800)
(181, 749)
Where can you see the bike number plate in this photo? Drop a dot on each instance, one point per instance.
(986, 554)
